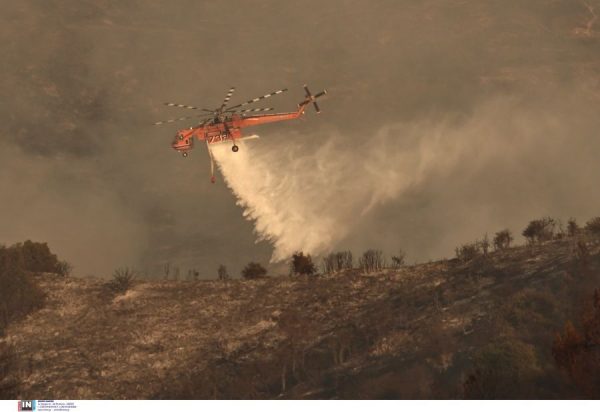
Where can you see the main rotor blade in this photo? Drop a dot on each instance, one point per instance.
(323, 93)
(307, 91)
(229, 94)
(185, 106)
(180, 118)
(258, 98)
(260, 109)
(316, 107)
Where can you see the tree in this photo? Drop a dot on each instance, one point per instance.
(540, 230)
(222, 272)
(302, 264)
(254, 270)
(502, 239)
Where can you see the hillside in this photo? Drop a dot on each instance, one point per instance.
(416, 332)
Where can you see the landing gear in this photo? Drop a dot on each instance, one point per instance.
(184, 154)
(235, 148)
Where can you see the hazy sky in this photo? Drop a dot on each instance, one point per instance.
(444, 120)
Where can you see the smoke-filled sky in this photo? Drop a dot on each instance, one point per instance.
(444, 120)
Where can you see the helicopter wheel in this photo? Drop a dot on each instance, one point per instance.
(235, 148)
(184, 154)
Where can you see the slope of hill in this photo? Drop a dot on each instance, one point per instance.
(417, 332)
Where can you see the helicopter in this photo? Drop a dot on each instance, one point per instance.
(224, 124)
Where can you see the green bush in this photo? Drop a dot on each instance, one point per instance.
(19, 294)
(8, 365)
(572, 227)
(540, 230)
(468, 251)
(502, 239)
(32, 257)
(502, 370)
(302, 264)
(254, 270)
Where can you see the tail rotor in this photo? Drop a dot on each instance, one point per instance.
(310, 98)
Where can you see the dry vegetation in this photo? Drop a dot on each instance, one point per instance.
(513, 322)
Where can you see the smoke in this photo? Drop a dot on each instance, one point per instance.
(62, 201)
(312, 198)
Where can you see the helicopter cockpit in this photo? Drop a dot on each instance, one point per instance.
(183, 143)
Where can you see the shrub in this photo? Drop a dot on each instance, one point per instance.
(398, 260)
(64, 268)
(540, 230)
(336, 262)
(222, 272)
(122, 281)
(502, 370)
(576, 352)
(593, 226)
(254, 270)
(485, 244)
(502, 239)
(302, 264)
(371, 260)
(572, 227)
(468, 251)
(8, 365)
(30, 257)
(166, 270)
(19, 294)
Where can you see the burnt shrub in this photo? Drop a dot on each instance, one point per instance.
(502, 239)
(302, 264)
(371, 260)
(338, 261)
(222, 272)
(122, 280)
(593, 226)
(254, 270)
(398, 259)
(540, 230)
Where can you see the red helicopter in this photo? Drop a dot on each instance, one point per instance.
(225, 124)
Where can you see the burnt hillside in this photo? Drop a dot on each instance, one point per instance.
(417, 332)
